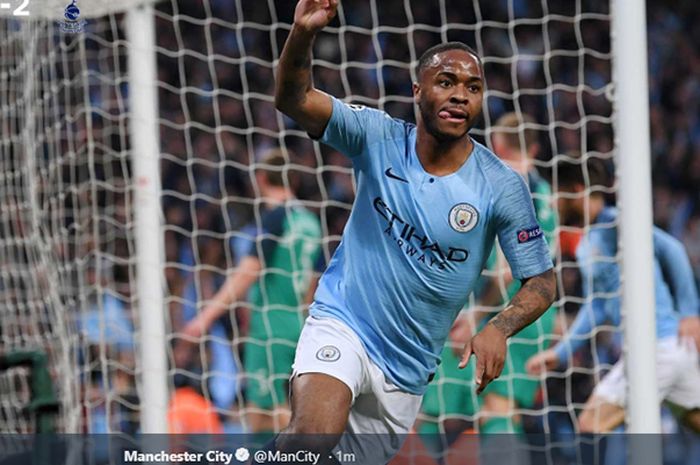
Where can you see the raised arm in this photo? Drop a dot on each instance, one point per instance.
(295, 94)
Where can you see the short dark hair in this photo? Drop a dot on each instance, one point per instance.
(435, 49)
(589, 172)
(273, 166)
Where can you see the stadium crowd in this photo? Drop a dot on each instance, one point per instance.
(231, 119)
(218, 119)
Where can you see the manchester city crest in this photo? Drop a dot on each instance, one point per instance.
(463, 217)
(328, 354)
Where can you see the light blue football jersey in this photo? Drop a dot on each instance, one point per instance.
(675, 291)
(416, 243)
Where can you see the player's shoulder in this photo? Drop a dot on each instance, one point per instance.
(604, 229)
(664, 242)
(537, 183)
(601, 240)
(300, 214)
(376, 120)
(495, 172)
(275, 213)
(492, 166)
(607, 215)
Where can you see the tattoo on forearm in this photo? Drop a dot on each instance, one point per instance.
(536, 295)
(537, 291)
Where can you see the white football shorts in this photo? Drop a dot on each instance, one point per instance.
(382, 414)
(677, 371)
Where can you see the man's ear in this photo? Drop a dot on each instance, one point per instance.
(416, 90)
(533, 150)
(260, 178)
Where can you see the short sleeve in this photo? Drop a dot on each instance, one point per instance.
(677, 272)
(272, 227)
(519, 233)
(352, 128)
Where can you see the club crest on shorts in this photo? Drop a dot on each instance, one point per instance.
(463, 217)
(328, 354)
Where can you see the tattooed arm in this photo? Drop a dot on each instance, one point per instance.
(489, 345)
(531, 301)
(295, 94)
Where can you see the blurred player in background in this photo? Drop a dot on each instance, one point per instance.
(676, 306)
(515, 142)
(430, 202)
(450, 396)
(286, 247)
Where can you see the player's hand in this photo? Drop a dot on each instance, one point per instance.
(184, 347)
(489, 347)
(544, 361)
(314, 15)
(460, 334)
(195, 328)
(689, 329)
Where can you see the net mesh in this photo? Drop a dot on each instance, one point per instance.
(66, 244)
(68, 249)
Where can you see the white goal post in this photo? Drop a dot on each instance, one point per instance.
(634, 164)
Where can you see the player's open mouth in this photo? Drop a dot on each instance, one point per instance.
(453, 115)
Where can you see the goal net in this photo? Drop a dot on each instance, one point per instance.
(68, 249)
(67, 281)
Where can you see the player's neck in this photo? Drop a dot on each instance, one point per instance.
(439, 157)
(277, 195)
(523, 164)
(596, 204)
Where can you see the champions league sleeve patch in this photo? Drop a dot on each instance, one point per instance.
(527, 235)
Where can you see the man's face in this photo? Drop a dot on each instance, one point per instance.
(263, 183)
(450, 93)
(516, 159)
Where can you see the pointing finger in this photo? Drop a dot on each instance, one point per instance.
(466, 355)
(480, 370)
(483, 380)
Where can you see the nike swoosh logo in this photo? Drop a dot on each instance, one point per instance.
(390, 174)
